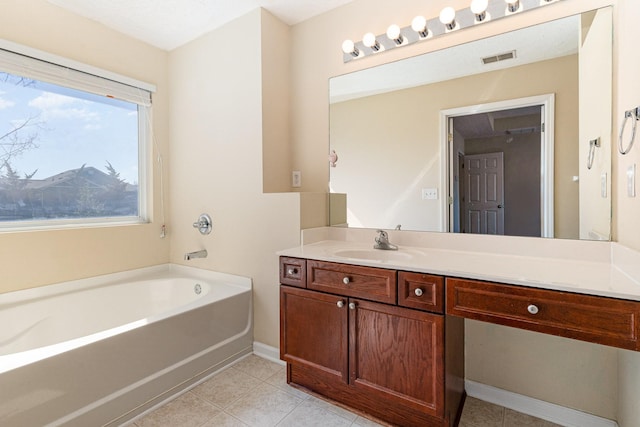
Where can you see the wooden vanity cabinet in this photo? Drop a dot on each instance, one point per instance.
(386, 360)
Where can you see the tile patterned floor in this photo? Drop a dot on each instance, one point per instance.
(254, 393)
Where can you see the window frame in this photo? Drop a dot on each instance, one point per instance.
(145, 137)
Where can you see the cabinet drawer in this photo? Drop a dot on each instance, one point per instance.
(595, 319)
(293, 271)
(375, 284)
(421, 291)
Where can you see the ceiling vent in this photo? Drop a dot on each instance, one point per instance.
(499, 57)
(520, 131)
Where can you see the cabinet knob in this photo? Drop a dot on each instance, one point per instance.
(292, 271)
(352, 305)
(418, 292)
(340, 304)
(532, 309)
(346, 280)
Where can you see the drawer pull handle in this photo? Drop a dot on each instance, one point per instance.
(532, 309)
(419, 292)
(340, 304)
(292, 271)
(352, 305)
(346, 281)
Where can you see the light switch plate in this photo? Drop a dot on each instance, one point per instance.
(296, 179)
(631, 181)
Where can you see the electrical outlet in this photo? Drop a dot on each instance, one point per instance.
(429, 194)
(296, 179)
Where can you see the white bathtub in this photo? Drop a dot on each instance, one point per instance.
(102, 350)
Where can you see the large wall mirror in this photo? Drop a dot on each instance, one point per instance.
(506, 135)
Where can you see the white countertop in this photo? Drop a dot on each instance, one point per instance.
(591, 275)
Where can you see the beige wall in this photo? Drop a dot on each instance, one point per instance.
(276, 74)
(37, 258)
(566, 372)
(391, 142)
(311, 69)
(595, 122)
(626, 97)
(626, 210)
(217, 114)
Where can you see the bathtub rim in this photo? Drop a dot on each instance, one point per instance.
(138, 274)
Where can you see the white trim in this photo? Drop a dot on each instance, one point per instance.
(267, 352)
(70, 63)
(546, 153)
(534, 407)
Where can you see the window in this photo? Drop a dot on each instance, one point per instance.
(72, 145)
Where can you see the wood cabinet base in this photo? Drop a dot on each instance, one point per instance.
(346, 337)
(391, 412)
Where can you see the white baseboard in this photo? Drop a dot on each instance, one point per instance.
(534, 407)
(267, 352)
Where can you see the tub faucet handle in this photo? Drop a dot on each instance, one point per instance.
(204, 224)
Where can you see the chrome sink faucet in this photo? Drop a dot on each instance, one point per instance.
(197, 254)
(382, 242)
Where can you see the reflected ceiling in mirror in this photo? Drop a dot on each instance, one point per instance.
(397, 131)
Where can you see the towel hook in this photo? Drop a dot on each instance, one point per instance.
(635, 114)
(593, 144)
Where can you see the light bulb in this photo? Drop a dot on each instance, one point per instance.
(419, 25)
(448, 17)
(349, 47)
(393, 32)
(369, 40)
(513, 5)
(479, 6)
(479, 9)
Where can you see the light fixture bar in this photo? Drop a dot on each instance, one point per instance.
(434, 27)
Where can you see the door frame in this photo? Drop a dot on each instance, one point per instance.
(547, 101)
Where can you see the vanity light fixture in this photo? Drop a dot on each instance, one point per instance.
(369, 40)
(479, 10)
(448, 18)
(422, 29)
(419, 25)
(394, 33)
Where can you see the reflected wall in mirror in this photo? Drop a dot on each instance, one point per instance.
(527, 102)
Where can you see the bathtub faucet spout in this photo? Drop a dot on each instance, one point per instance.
(197, 254)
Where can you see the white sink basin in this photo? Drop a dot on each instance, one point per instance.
(374, 255)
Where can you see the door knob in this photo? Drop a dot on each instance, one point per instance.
(500, 206)
(340, 304)
(352, 305)
(346, 280)
(418, 292)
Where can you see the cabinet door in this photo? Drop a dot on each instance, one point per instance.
(313, 331)
(397, 354)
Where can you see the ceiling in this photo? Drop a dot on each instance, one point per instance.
(168, 24)
(507, 123)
